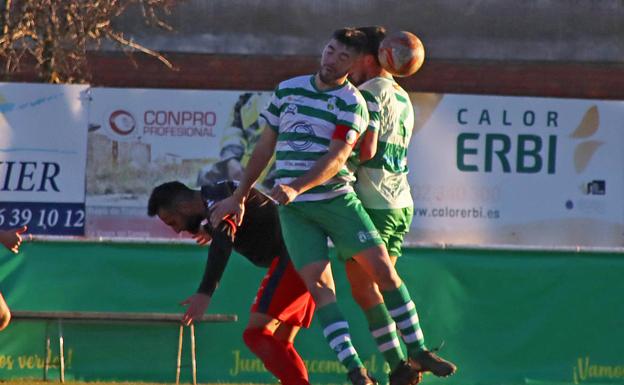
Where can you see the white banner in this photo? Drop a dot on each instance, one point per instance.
(43, 144)
(517, 171)
(139, 138)
(484, 170)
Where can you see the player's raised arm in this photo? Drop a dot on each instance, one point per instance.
(260, 158)
(323, 169)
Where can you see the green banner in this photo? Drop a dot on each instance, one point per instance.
(506, 317)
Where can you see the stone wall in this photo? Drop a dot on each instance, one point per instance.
(536, 30)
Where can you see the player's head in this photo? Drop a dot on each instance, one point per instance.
(368, 66)
(177, 206)
(340, 53)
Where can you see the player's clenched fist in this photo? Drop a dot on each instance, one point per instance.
(284, 194)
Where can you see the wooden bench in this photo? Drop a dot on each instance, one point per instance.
(105, 317)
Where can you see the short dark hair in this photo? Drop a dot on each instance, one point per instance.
(374, 35)
(167, 196)
(351, 37)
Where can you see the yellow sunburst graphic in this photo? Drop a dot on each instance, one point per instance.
(589, 124)
(583, 154)
(584, 151)
(424, 105)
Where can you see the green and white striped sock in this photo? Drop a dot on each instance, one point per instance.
(336, 332)
(383, 329)
(403, 312)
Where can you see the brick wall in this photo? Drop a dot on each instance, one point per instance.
(247, 72)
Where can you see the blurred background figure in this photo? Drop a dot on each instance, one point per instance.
(11, 239)
(237, 143)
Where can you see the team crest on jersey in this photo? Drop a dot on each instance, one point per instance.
(291, 109)
(364, 236)
(331, 103)
(302, 142)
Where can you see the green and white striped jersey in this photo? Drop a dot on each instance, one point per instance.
(305, 119)
(382, 181)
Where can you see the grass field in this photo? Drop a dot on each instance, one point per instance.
(41, 382)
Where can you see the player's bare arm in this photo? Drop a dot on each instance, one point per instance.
(368, 145)
(325, 168)
(260, 158)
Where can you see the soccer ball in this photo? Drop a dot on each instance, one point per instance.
(401, 53)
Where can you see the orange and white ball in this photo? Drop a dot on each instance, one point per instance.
(401, 53)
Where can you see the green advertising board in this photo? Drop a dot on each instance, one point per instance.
(505, 317)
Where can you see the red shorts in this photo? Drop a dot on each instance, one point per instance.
(284, 296)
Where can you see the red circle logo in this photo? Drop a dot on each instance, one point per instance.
(122, 122)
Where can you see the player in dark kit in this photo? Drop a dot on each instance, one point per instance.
(282, 305)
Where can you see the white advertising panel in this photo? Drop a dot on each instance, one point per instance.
(139, 138)
(484, 170)
(517, 171)
(43, 144)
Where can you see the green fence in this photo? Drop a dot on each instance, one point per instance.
(506, 317)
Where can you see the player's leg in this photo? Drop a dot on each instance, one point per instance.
(260, 339)
(365, 292)
(282, 297)
(381, 325)
(395, 224)
(403, 311)
(319, 280)
(293, 305)
(286, 334)
(307, 246)
(5, 313)
(391, 226)
(367, 249)
(398, 301)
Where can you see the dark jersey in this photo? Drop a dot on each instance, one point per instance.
(258, 238)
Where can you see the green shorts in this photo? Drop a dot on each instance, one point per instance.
(392, 225)
(307, 225)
